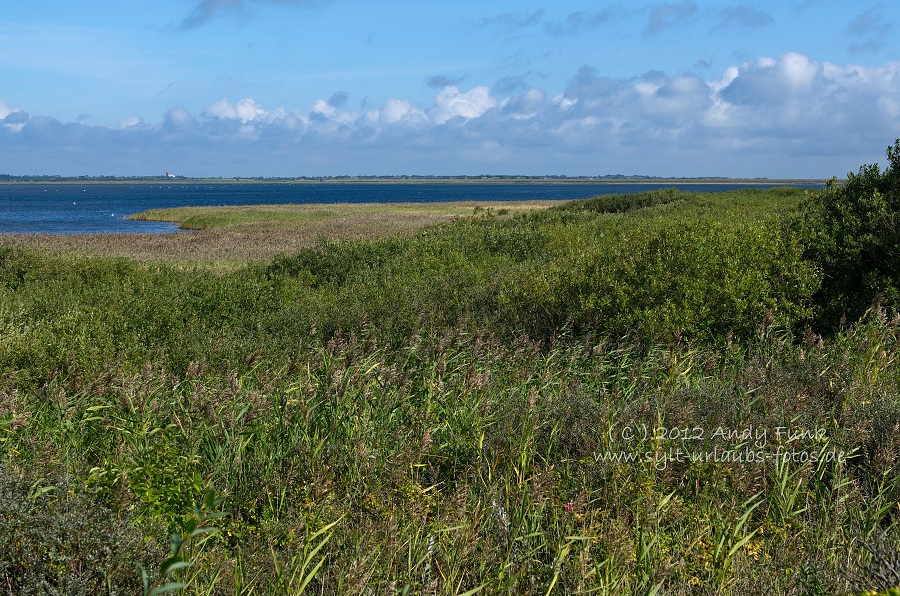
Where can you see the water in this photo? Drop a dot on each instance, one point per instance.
(101, 208)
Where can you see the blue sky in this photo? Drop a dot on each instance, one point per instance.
(793, 88)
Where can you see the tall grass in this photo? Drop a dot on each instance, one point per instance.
(559, 402)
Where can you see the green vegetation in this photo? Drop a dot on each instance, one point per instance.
(632, 395)
(853, 232)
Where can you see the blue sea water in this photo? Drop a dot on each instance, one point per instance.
(102, 208)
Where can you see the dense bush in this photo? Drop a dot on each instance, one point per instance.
(671, 278)
(853, 235)
(624, 202)
(57, 539)
(700, 267)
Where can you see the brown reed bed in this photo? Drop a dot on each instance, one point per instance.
(239, 234)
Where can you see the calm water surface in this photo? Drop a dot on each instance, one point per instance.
(101, 208)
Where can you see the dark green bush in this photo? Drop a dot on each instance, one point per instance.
(853, 236)
(56, 539)
(624, 202)
(332, 263)
(671, 277)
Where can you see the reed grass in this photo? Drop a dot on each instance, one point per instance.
(226, 238)
(579, 400)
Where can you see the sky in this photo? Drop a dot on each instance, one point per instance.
(682, 88)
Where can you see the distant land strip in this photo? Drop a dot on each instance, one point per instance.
(486, 179)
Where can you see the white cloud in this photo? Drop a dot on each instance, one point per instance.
(773, 81)
(179, 120)
(323, 111)
(395, 111)
(728, 76)
(5, 110)
(891, 106)
(12, 119)
(131, 121)
(525, 106)
(784, 116)
(246, 110)
(564, 102)
(451, 103)
(676, 101)
(798, 70)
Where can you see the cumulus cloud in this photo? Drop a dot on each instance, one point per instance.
(130, 121)
(179, 120)
(527, 105)
(12, 119)
(821, 107)
(246, 110)
(789, 115)
(590, 90)
(672, 102)
(325, 111)
(395, 111)
(5, 110)
(769, 81)
(451, 103)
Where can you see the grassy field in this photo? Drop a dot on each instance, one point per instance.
(641, 394)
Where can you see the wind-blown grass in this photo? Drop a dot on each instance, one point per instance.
(547, 403)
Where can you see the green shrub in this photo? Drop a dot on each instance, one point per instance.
(56, 539)
(624, 202)
(852, 231)
(680, 277)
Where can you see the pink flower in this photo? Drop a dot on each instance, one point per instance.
(569, 507)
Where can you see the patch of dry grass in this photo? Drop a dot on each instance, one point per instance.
(226, 236)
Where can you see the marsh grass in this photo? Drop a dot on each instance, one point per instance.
(229, 237)
(491, 405)
(465, 463)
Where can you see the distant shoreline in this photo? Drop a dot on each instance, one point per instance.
(416, 180)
